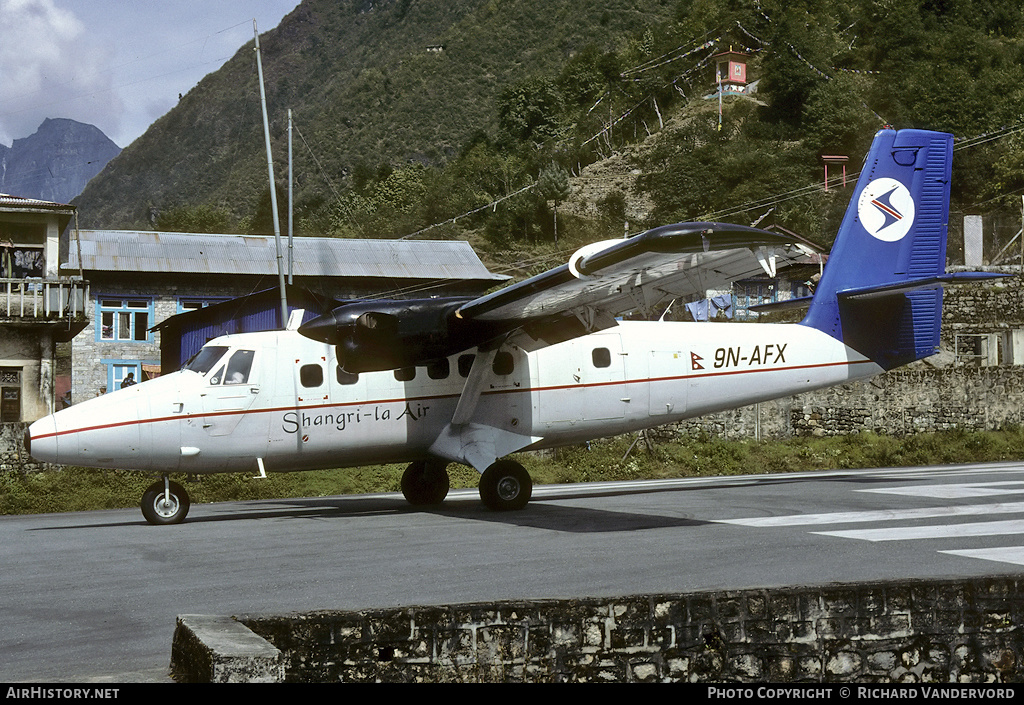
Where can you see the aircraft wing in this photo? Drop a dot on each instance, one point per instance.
(643, 273)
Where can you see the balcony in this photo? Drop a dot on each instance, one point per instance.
(43, 300)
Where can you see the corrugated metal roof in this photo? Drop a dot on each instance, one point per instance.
(21, 202)
(144, 251)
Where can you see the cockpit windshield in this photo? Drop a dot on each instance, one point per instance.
(204, 360)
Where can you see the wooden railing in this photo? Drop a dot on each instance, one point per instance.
(44, 299)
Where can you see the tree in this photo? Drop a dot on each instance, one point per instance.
(553, 185)
(529, 110)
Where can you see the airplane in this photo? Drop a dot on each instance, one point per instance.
(545, 362)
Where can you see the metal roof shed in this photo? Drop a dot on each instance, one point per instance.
(183, 335)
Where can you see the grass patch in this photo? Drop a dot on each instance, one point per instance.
(79, 489)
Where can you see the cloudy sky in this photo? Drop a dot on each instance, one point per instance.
(116, 64)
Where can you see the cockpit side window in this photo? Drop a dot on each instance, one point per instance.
(204, 360)
(239, 367)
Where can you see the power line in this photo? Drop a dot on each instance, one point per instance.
(493, 205)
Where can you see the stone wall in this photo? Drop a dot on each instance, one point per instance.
(900, 402)
(996, 303)
(953, 631)
(28, 353)
(12, 450)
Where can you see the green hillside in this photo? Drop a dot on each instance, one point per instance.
(365, 90)
(412, 113)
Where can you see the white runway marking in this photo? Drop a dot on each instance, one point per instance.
(954, 491)
(893, 521)
(1002, 554)
(878, 515)
(938, 531)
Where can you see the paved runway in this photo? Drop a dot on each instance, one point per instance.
(94, 596)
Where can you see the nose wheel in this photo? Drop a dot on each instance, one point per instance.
(165, 502)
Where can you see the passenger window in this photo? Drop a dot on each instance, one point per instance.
(503, 363)
(346, 377)
(465, 364)
(601, 357)
(439, 369)
(311, 376)
(405, 374)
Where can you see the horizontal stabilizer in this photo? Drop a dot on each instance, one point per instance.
(787, 305)
(871, 292)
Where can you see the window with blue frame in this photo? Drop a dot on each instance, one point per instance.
(118, 371)
(124, 320)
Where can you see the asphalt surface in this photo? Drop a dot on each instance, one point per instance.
(93, 596)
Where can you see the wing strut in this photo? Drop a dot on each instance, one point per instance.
(474, 386)
(476, 444)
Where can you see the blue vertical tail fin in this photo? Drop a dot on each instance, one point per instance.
(881, 290)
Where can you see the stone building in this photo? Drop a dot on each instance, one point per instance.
(40, 307)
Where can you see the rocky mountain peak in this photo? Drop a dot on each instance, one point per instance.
(56, 162)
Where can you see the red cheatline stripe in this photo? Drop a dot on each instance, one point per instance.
(406, 400)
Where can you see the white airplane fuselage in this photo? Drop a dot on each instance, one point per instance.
(296, 411)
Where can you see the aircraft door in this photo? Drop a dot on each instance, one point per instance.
(231, 390)
(601, 369)
(667, 371)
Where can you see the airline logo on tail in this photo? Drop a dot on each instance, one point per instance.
(886, 209)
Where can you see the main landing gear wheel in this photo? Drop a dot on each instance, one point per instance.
(425, 482)
(165, 505)
(506, 486)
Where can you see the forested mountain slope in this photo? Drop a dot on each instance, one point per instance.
(370, 83)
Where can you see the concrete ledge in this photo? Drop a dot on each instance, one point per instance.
(215, 649)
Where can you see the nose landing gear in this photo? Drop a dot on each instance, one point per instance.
(165, 502)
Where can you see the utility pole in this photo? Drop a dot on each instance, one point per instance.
(291, 228)
(273, 188)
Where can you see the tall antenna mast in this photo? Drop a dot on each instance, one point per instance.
(273, 189)
(290, 206)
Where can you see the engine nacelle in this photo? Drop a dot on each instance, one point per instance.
(371, 336)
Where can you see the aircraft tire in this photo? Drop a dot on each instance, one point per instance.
(505, 486)
(425, 483)
(159, 512)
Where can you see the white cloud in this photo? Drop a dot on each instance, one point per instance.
(50, 67)
(116, 64)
